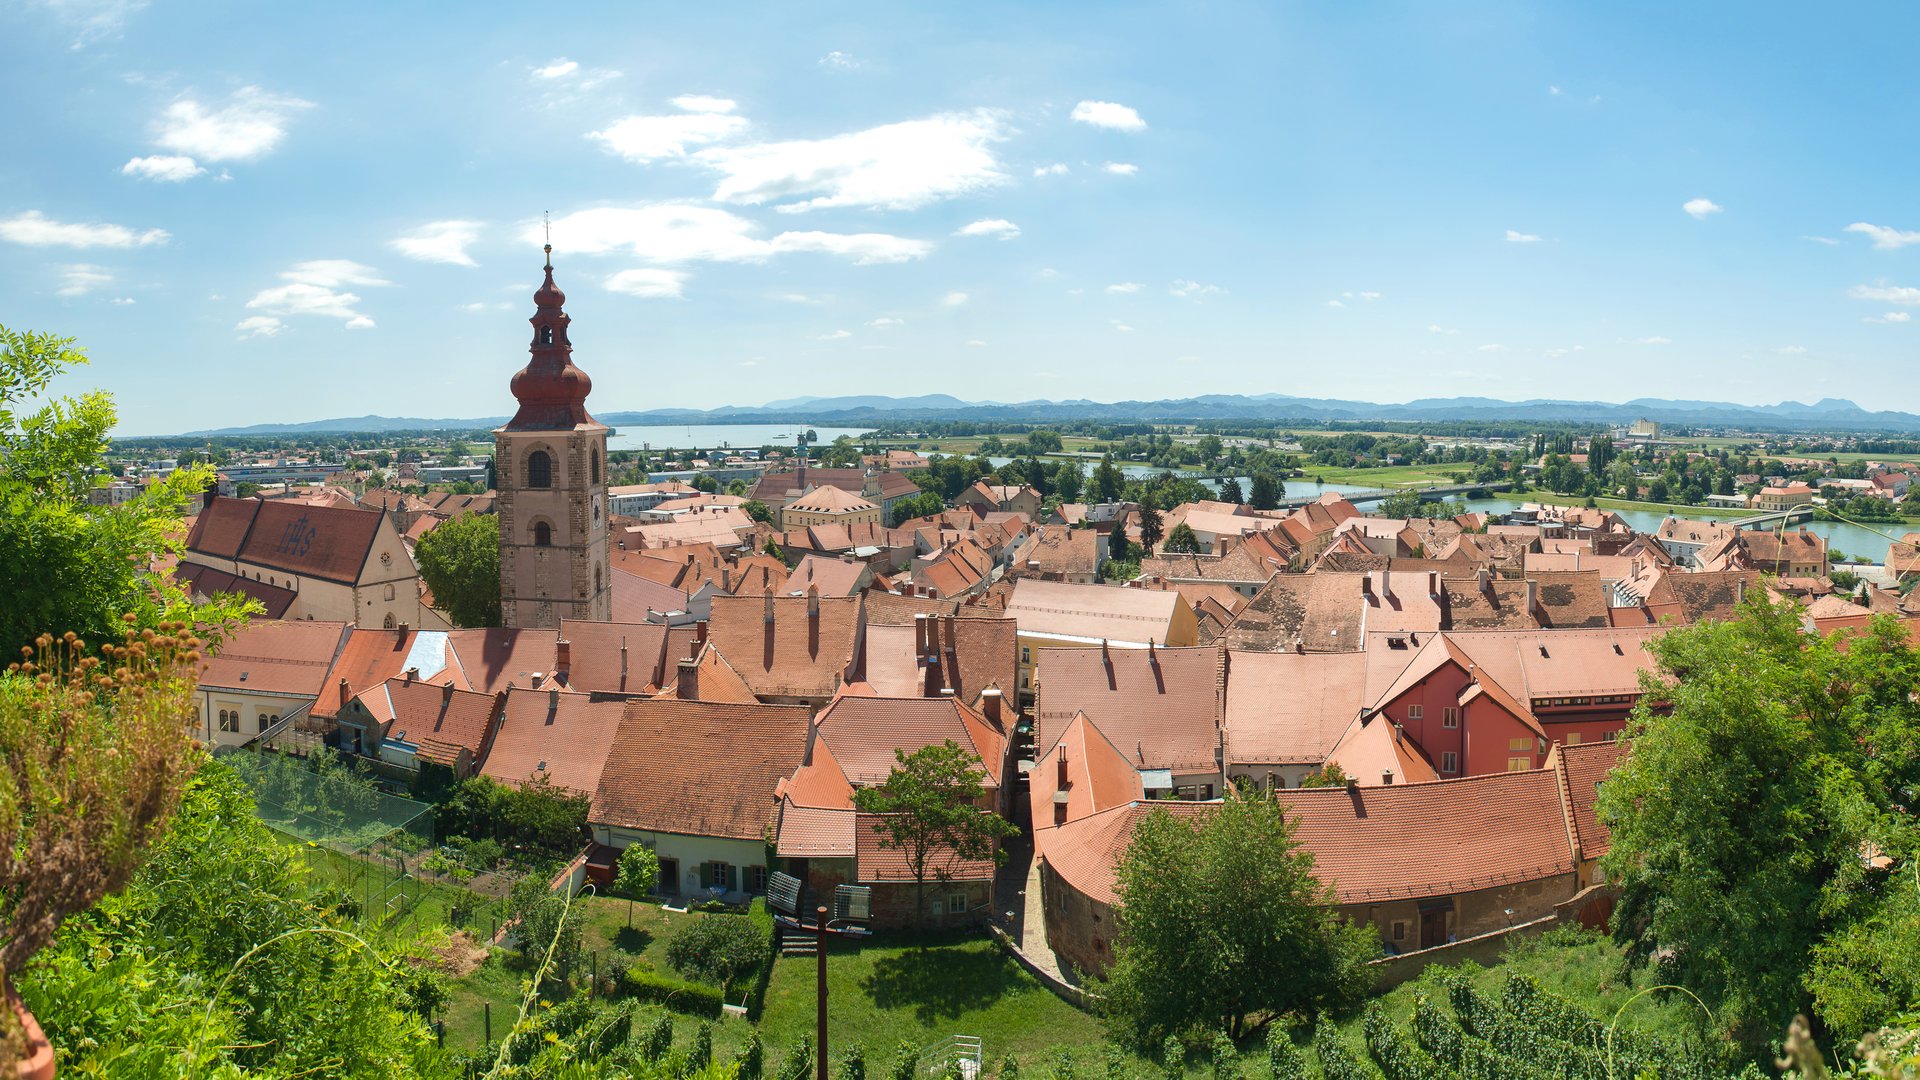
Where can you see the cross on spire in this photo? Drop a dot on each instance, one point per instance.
(547, 217)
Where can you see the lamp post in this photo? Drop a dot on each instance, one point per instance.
(820, 969)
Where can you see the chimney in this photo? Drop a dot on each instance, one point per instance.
(562, 657)
(623, 661)
(346, 693)
(990, 705)
(410, 674)
(1062, 759)
(813, 602)
(1366, 586)
(1386, 585)
(1433, 583)
(920, 648)
(1533, 596)
(403, 629)
(700, 633)
(1386, 777)
(769, 608)
(689, 679)
(1152, 657)
(1483, 578)
(446, 693)
(1105, 656)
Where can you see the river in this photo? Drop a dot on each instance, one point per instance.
(710, 436)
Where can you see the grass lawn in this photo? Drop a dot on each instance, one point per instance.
(606, 927)
(892, 990)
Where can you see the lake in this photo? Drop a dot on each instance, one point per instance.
(710, 436)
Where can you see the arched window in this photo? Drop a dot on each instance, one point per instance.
(546, 335)
(539, 470)
(388, 622)
(542, 534)
(596, 581)
(389, 592)
(264, 721)
(594, 469)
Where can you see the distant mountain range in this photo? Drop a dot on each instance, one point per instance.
(1827, 414)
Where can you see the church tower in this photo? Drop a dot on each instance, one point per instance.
(550, 464)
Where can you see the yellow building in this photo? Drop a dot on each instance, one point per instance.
(1067, 615)
(829, 505)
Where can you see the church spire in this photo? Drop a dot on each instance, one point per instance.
(552, 392)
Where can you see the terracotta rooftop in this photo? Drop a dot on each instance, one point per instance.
(1314, 612)
(208, 581)
(1290, 708)
(1240, 565)
(1099, 776)
(1086, 852)
(276, 658)
(440, 720)
(1092, 612)
(371, 657)
(814, 832)
(864, 732)
(1582, 768)
(327, 542)
(495, 658)
(706, 676)
(827, 499)
(788, 646)
(614, 657)
(1374, 748)
(1410, 841)
(1161, 707)
(698, 768)
(876, 862)
(1057, 549)
(972, 653)
(563, 737)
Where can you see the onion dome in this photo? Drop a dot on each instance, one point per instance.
(552, 392)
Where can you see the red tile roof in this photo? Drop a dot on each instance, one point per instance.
(210, 581)
(595, 661)
(1410, 841)
(706, 676)
(493, 659)
(326, 542)
(698, 768)
(1086, 852)
(1161, 707)
(1582, 768)
(276, 658)
(564, 737)
(814, 832)
(1099, 776)
(440, 720)
(371, 657)
(1290, 708)
(864, 733)
(795, 654)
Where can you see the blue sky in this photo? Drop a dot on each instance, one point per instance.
(254, 213)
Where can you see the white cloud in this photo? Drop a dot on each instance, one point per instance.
(1655, 340)
(440, 241)
(1700, 208)
(1369, 296)
(1561, 350)
(1000, 227)
(1058, 168)
(1901, 295)
(703, 103)
(1555, 91)
(799, 298)
(839, 61)
(899, 166)
(1827, 240)
(314, 288)
(1791, 350)
(678, 232)
(1335, 303)
(1121, 168)
(1125, 287)
(168, 167)
(975, 343)
(123, 301)
(1891, 317)
(648, 284)
(865, 249)
(1122, 327)
(1514, 236)
(34, 229)
(477, 305)
(78, 279)
(559, 69)
(1493, 347)
(1436, 328)
(885, 321)
(837, 335)
(248, 126)
(259, 326)
(1884, 238)
(1107, 114)
(650, 138)
(1187, 289)
(954, 299)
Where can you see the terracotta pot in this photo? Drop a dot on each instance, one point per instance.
(36, 1058)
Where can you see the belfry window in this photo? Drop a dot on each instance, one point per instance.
(539, 470)
(542, 534)
(546, 335)
(594, 468)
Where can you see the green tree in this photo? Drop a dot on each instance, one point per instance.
(706, 483)
(1211, 905)
(925, 504)
(460, 562)
(65, 564)
(1108, 480)
(1230, 491)
(1740, 819)
(931, 814)
(1182, 540)
(547, 921)
(636, 871)
(1267, 492)
(1068, 481)
(1151, 528)
(757, 510)
(718, 949)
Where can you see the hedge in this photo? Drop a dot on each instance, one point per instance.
(680, 995)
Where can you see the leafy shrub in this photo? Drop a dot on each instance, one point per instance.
(1284, 1061)
(852, 1064)
(718, 949)
(798, 1064)
(750, 1063)
(696, 999)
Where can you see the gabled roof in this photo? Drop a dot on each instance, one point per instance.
(1161, 707)
(1086, 852)
(973, 654)
(1373, 746)
(440, 720)
(1572, 599)
(832, 577)
(327, 542)
(827, 499)
(208, 581)
(1057, 549)
(698, 768)
(864, 733)
(492, 659)
(563, 737)
(1315, 612)
(713, 679)
(1410, 841)
(1099, 776)
(595, 656)
(1242, 564)
(813, 832)
(371, 657)
(1582, 768)
(1290, 708)
(782, 650)
(276, 658)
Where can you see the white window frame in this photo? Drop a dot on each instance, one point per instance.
(956, 903)
(1450, 716)
(1416, 712)
(1449, 762)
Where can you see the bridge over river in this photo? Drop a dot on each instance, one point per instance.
(1427, 494)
